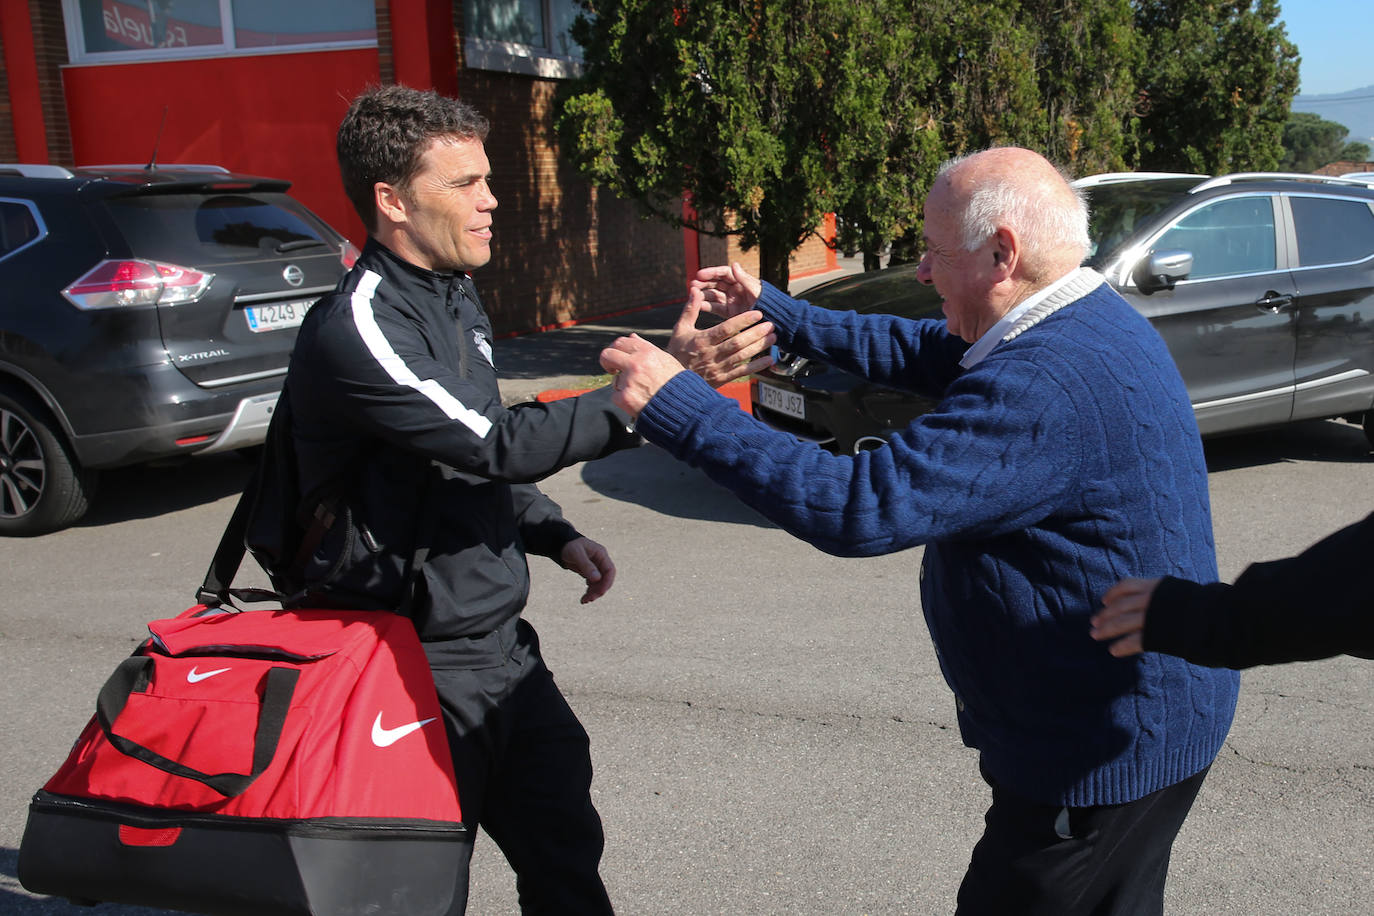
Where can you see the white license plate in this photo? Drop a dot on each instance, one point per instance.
(277, 315)
(783, 401)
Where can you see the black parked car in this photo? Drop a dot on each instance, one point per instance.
(145, 313)
(1262, 285)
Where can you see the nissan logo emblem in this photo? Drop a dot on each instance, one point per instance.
(293, 275)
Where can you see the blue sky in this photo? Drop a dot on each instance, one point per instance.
(1336, 41)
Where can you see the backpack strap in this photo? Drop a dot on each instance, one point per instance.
(215, 590)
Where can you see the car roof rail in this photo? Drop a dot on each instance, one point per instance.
(1221, 180)
(1088, 181)
(35, 170)
(167, 166)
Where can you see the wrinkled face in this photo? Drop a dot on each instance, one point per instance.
(962, 278)
(448, 207)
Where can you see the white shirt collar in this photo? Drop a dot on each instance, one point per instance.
(993, 336)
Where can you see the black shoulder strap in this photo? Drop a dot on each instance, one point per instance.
(216, 588)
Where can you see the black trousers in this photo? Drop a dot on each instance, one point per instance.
(524, 770)
(1044, 860)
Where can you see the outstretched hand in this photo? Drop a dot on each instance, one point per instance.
(1122, 617)
(729, 350)
(593, 563)
(640, 369)
(727, 291)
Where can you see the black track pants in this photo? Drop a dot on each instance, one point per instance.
(1107, 860)
(524, 771)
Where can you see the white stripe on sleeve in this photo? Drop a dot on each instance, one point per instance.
(380, 348)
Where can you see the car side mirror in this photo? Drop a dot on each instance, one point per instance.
(1162, 269)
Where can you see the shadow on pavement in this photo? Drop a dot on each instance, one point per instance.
(648, 476)
(148, 491)
(1309, 440)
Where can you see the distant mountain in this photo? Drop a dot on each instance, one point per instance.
(1354, 109)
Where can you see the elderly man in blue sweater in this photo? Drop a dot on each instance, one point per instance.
(1062, 456)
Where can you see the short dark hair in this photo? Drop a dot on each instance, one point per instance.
(385, 132)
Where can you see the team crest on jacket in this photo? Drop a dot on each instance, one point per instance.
(484, 345)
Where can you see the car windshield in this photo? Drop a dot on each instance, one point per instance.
(1117, 208)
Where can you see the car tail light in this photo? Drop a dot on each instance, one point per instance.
(113, 284)
(350, 254)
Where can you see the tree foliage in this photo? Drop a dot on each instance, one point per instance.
(1217, 84)
(768, 114)
(1310, 142)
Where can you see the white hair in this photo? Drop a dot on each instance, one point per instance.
(1034, 209)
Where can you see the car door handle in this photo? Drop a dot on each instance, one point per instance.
(1275, 302)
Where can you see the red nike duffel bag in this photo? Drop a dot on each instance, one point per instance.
(258, 762)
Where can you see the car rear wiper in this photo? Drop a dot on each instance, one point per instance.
(297, 244)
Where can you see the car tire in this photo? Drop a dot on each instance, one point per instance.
(1368, 423)
(42, 486)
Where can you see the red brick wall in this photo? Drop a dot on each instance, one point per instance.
(50, 49)
(8, 151)
(813, 257)
(37, 27)
(563, 251)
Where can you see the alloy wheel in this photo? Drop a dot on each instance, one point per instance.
(22, 470)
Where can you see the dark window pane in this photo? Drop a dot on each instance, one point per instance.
(1332, 231)
(107, 25)
(17, 226)
(518, 21)
(201, 228)
(1227, 238)
(562, 13)
(271, 23)
(1116, 210)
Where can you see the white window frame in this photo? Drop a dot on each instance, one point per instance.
(529, 60)
(77, 53)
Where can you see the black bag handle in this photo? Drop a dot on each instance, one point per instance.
(133, 674)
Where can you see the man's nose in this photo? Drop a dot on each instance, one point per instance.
(923, 271)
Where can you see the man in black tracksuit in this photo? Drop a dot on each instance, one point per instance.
(395, 410)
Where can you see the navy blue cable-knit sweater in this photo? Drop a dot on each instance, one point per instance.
(1063, 461)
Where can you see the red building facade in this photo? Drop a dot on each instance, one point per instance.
(260, 88)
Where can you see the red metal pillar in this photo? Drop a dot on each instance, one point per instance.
(422, 43)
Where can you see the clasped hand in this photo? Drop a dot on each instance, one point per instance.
(737, 346)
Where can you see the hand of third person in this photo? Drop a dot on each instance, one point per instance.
(1122, 618)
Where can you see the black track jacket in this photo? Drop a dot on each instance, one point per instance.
(390, 372)
(1310, 606)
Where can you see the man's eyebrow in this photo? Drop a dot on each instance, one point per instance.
(470, 177)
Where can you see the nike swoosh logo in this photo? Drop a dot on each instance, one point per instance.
(195, 677)
(385, 737)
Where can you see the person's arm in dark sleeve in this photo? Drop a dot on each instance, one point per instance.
(544, 531)
(1311, 606)
(376, 375)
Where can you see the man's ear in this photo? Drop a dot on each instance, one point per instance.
(1006, 251)
(391, 203)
